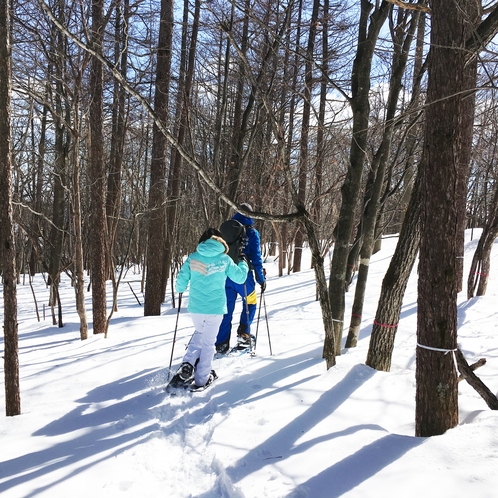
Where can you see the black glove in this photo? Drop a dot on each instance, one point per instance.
(263, 283)
(242, 256)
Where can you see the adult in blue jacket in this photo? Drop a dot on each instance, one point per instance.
(252, 251)
(206, 270)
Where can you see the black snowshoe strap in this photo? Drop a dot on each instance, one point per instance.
(234, 234)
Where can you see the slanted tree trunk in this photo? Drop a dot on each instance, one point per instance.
(413, 132)
(447, 140)
(7, 246)
(467, 372)
(394, 285)
(154, 293)
(402, 46)
(360, 106)
(481, 262)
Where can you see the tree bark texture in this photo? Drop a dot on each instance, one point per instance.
(394, 285)
(241, 117)
(305, 123)
(97, 177)
(444, 169)
(481, 262)
(379, 166)
(360, 106)
(183, 105)
(79, 267)
(468, 374)
(7, 248)
(154, 294)
(113, 199)
(62, 142)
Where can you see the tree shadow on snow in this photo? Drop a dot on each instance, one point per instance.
(101, 433)
(358, 467)
(338, 478)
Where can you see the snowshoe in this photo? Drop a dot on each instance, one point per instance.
(223, 348)
(245, 341)
(212, 377)
(182, 379)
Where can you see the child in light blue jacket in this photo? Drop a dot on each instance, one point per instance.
(206, 270)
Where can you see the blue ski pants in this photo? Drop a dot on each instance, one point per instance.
(233, 290)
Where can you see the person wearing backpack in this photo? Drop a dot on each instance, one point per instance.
(206, 270)
(247, 290)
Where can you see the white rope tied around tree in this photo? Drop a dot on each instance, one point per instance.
(441, 350)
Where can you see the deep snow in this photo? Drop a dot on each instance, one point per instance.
(96, 422)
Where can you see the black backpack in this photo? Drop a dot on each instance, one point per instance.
(234, 234)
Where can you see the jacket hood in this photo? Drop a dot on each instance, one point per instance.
(212, 247)
(242, 218)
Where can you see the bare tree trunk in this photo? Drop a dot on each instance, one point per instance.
(394, 285)
(412, 134)
(367, 38)
(481, 262)
(79, 269)
(468, 374)
(98, 236)
(290, 72)
(479, 209)
(305, 123)
(154, 293)
(60, 162)
(379, 166)
(173, 189)
(40, 166)
(113, 200)
(444, 168)
(7, 247)
(320, 134)
(241, 118)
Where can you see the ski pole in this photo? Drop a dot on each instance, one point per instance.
(174, 335)
(257, 323)
(267, 326)
(247, 316)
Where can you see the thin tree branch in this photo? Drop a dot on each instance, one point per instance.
(483, 34)
(186, 156)
(411, 6)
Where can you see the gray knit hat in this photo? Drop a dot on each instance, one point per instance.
(246, 207)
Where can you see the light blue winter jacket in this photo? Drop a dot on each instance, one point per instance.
(207, 270)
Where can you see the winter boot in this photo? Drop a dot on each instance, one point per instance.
(183, 377)
(244, 340)
(223, 347)
(186, 372)
(212, 377)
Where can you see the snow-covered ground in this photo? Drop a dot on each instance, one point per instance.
(96, 422)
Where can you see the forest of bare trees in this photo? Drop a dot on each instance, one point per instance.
(128, 127)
